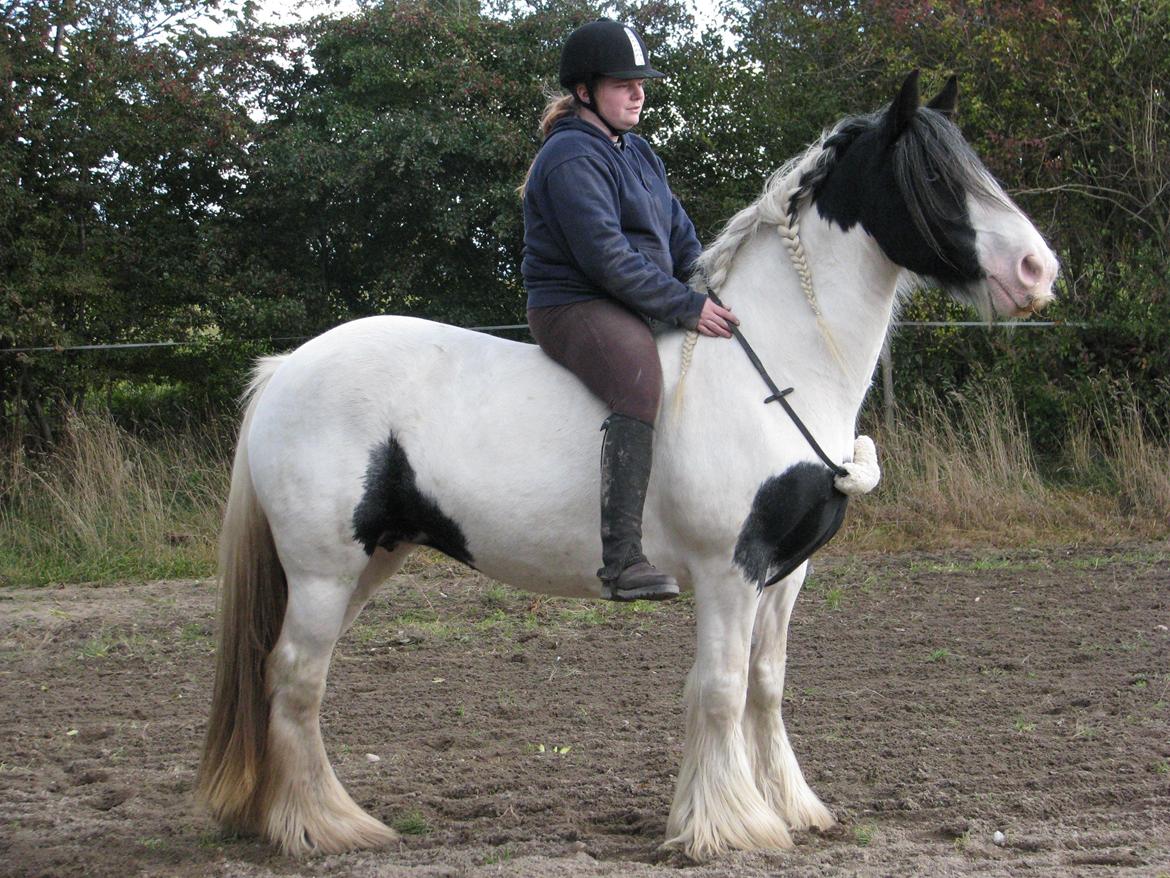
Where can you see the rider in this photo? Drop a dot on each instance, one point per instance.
(606, 246)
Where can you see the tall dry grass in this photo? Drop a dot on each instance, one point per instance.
(110, 505)
(107, 504)
(1114, 443)
(967, 474)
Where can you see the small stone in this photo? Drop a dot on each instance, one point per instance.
(373, 757)
(578, 846)
(999, 838)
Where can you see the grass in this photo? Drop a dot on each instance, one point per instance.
(104, 642)
(412, 823)
(110, 505)
(499, 855)
(966, 475)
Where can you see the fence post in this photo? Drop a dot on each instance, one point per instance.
(887, 362)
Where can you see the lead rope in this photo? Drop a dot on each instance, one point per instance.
(778, 394)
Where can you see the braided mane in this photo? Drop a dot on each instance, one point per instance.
(784, 193)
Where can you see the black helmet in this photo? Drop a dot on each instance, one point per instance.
(604, 48)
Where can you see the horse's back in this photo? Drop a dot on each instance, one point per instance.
(498, 438)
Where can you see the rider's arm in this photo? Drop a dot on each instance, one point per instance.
(584, 202)
(684, 243)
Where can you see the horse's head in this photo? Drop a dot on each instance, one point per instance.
(911, 181)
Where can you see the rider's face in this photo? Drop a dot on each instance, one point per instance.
(620, 100)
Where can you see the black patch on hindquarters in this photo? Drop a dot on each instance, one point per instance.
(792, 516)
(393, 510)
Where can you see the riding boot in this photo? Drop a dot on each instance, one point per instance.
(626, 453)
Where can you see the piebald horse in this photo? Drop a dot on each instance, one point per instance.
(389, 433)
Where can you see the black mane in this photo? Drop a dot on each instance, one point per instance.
(929, 170)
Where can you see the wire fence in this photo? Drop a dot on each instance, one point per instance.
(885, 362)
(508, 327)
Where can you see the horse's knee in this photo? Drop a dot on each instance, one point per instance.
(296, 675)
(719, 698)
(766, 688)
(298, 665)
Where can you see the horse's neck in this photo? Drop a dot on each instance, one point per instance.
(830, 365)
(855, 286)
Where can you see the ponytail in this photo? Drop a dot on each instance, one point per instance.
(558, 107)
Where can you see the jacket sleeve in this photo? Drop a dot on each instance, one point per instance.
(684, 243)
(582, 199)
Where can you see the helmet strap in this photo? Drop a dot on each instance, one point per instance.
(594, 108)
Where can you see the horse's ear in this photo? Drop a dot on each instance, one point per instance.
(903, 108)
(947, 100)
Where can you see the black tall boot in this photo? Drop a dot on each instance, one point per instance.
(626, 454)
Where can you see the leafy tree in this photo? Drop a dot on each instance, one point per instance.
(121, 126)
(386, 180)
(158, 182)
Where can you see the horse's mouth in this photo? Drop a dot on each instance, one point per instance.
(1011, 305)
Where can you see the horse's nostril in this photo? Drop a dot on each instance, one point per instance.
(1030, 270)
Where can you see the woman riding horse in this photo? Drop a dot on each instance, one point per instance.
(607, 245)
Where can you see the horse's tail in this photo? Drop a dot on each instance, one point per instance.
(253, 595)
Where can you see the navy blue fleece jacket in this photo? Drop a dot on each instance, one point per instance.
(601, 221)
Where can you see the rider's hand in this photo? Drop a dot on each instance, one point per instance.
(716, 321)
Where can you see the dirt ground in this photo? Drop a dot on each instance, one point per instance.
(934, 700)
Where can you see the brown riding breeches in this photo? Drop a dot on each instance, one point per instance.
(607, 346)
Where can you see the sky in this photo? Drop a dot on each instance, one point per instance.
(285, 12)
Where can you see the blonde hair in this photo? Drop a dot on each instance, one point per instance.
(558, 107)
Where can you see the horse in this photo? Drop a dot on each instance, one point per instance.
(388, 433)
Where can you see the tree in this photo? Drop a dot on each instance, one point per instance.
(120, 128)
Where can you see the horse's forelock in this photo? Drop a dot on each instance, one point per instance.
(930, 148)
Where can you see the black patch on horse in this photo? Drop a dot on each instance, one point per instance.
(792, 516)
(904, 174)
(393, 510)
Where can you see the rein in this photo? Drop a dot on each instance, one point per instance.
(778, 394)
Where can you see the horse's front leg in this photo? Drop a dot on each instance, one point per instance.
(777, 774)
(717, 805)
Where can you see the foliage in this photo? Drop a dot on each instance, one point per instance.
(384, 181)
(123, 131)
(241, 191)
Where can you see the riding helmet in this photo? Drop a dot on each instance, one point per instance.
(604, 48)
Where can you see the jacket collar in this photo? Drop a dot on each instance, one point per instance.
(574, 123)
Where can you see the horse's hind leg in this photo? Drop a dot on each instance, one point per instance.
(382, 565)
(302, 805)
(777, 774)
